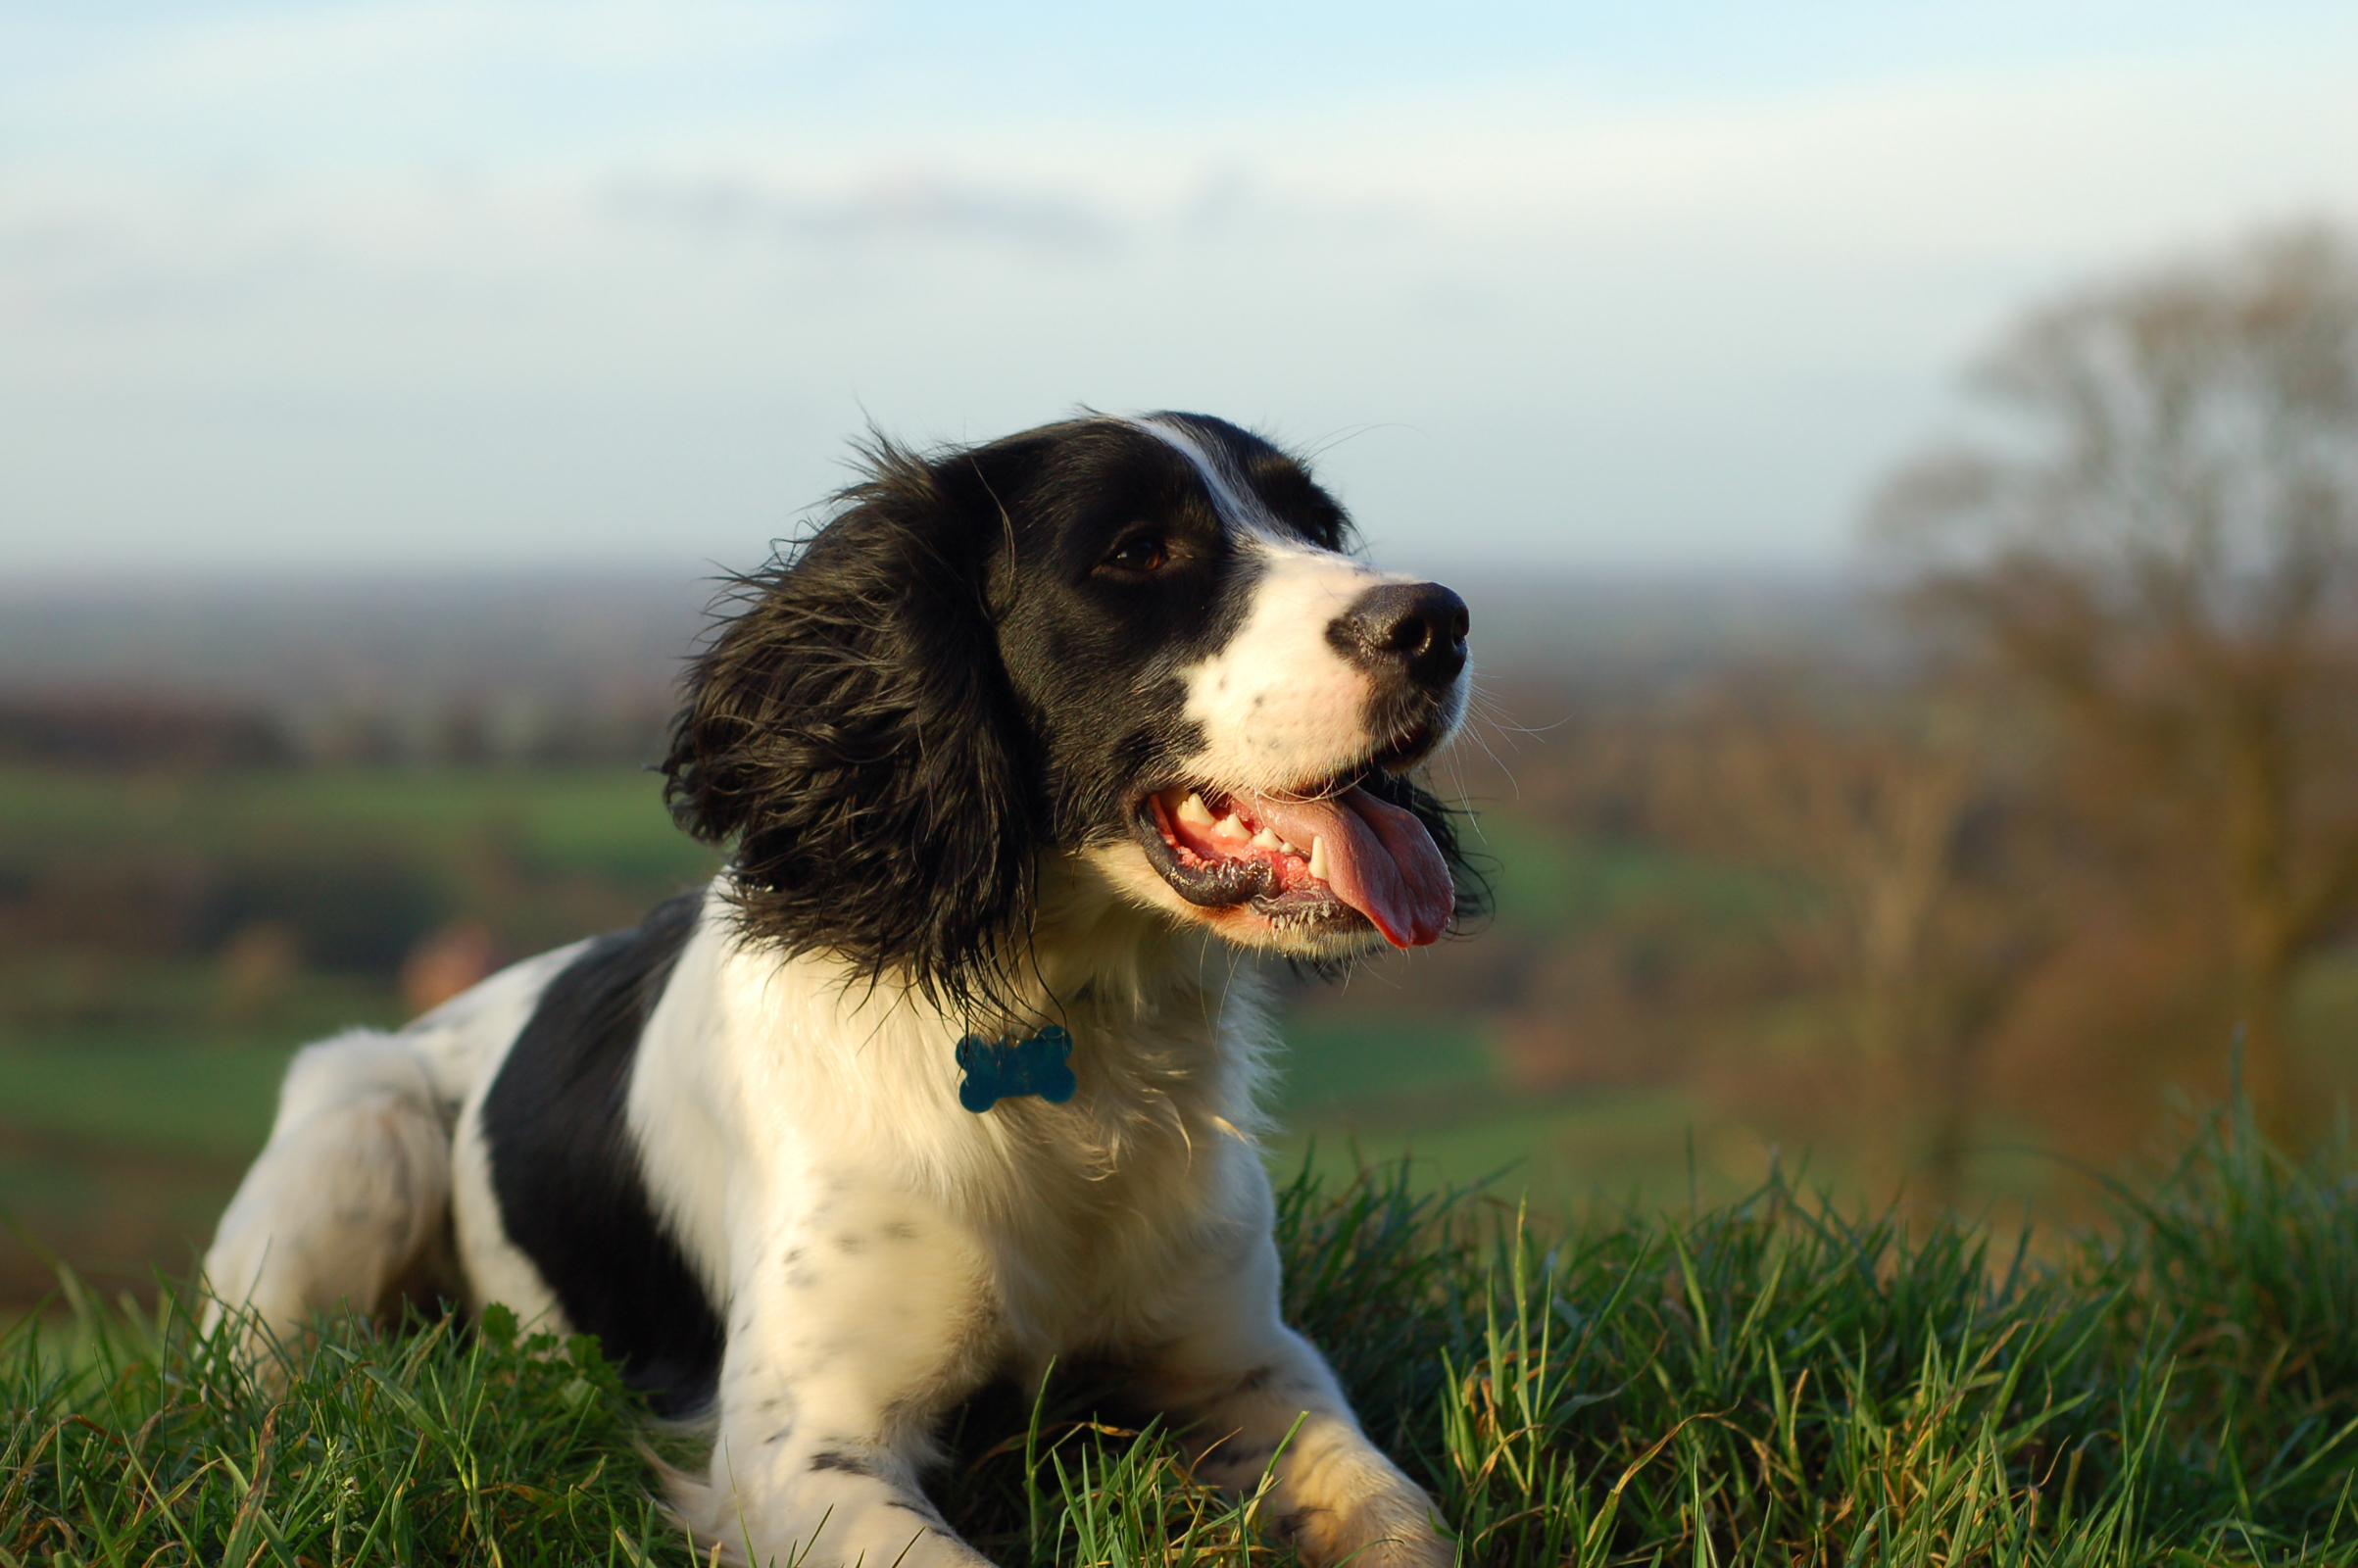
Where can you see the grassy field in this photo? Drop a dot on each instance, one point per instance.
(139, 1061)
(139, 1064)
(1772, 1381)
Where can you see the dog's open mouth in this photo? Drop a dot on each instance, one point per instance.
(1326, 857)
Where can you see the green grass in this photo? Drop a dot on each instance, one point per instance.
(1776, 1380)
(593, 817)
(180, 1097)
(1349, 1061)
(1563, 1152)
(355, 864)
(1546, 881)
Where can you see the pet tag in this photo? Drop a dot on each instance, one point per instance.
(997, 1070)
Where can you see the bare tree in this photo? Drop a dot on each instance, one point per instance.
(2159, 538)
(1899, 813)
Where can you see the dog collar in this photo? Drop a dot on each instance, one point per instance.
(1001, 1070)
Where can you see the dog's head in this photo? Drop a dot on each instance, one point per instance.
(1136, 641)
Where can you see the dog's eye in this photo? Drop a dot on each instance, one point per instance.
(1140, 553)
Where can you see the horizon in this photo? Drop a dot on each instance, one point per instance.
(458, 635)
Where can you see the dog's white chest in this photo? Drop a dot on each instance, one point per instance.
(780, 1114)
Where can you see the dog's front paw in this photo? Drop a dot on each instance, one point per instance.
(1385, 1533)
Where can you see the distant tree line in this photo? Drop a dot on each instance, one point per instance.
(115, 730)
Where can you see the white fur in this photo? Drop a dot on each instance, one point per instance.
(1279, 706)
(347, 1197)
(352, 1191)
(879, 1251)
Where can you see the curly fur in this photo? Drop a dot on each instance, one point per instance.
(850, 730)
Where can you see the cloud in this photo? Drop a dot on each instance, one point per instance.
(913, 206)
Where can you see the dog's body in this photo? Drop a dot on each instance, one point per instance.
(967, 747)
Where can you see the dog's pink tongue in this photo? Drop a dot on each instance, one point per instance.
(1379, 860)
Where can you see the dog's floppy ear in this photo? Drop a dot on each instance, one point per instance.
(850, 728)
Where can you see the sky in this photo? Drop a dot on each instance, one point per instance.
(421, 286)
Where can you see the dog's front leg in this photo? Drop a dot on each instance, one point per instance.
(1258, 1399)
(852, 1329)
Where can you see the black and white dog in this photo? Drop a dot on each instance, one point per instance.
(935, 1082)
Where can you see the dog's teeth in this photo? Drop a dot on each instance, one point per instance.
(1229, 827)
(1318, 858)
(1266, 840)
(1194, 813)
(1287, 845)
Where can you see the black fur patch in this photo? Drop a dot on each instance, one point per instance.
(955, 674)
(567, 1177)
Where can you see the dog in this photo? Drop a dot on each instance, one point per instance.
(938, 1080)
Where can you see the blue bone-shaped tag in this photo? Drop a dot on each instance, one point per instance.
(998, 1069)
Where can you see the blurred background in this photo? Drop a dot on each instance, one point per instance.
(1902, 459)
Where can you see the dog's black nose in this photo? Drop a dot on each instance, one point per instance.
(1416, 628)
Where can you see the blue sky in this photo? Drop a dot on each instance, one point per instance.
(418, 285)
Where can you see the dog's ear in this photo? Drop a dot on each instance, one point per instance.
(1469, 871)
(850, 728)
